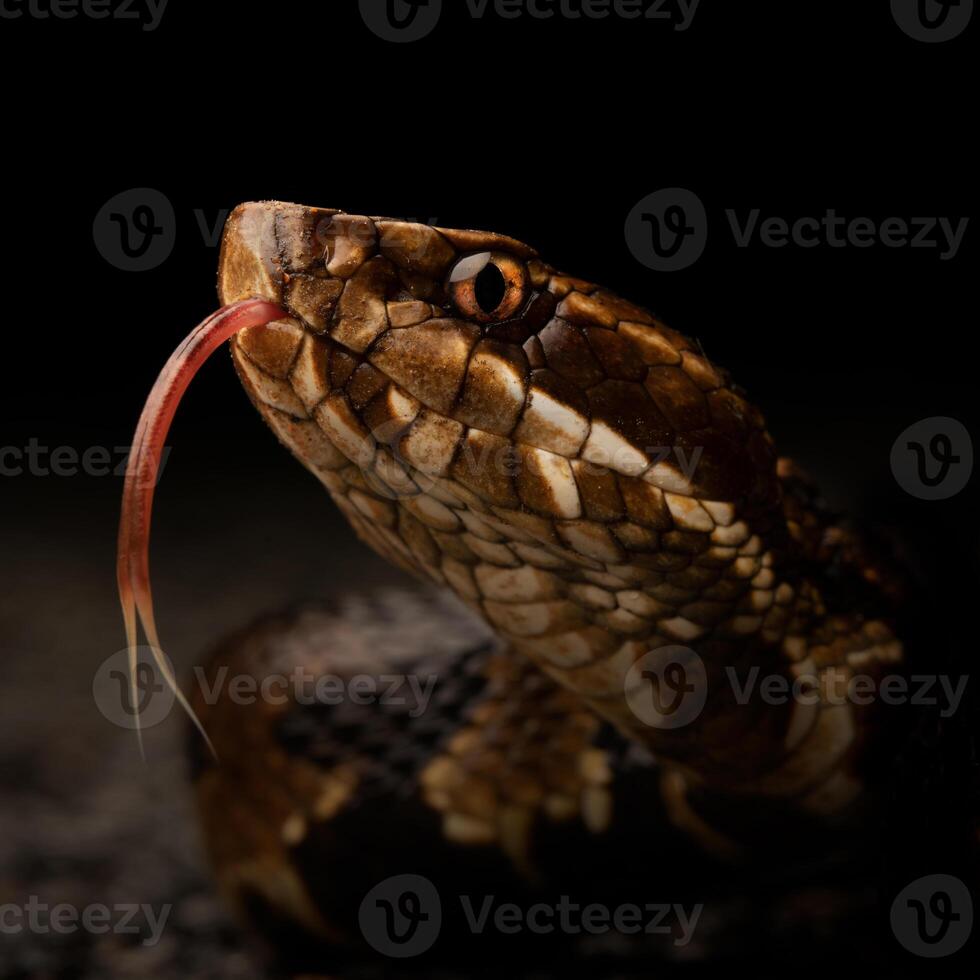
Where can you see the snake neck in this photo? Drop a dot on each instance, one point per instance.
(602, 605)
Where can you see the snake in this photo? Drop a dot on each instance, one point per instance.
(610, 505)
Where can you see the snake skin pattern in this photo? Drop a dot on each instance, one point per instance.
(581, 476)
(495, 777)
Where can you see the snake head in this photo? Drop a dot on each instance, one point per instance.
(462, 355)
(573, 468)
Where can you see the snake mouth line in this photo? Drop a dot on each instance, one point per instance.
(132, 568)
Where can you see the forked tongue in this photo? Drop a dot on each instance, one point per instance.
(133, 565)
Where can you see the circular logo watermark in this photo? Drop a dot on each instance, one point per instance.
(401, 21)
(667, 230)
(667, 687)
(401, 916)
(143, 707)
(135, 231)
(933, 916)
(933, 459)
(932, 20)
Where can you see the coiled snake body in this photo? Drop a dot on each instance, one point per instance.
(588, 482)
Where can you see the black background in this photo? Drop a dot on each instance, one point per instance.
(547, 131)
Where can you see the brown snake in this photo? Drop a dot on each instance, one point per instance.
(577, 473)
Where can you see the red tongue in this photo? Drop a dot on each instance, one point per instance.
(133, 565)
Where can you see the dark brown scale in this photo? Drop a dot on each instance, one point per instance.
(599, 491)
(560, 389)
(644, 503)
(569, 355)
(486, 463)
(364, 384)
(342, 366)
(679, 398)
(617, 356)
(626, 408)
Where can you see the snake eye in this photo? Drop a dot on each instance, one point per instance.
(488, 287)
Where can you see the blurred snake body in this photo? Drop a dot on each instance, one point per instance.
(594, 488)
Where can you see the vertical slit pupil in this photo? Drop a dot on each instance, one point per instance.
(490, 288)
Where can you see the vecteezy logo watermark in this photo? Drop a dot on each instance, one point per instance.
(932, 20)
(135, 231)
(933, 916)
(403, 21)
(668, 230)
(933, 459)
(149, 13)
(139, 701)
(667, 687)
(148, 702)
(401, 916)
(39, 918)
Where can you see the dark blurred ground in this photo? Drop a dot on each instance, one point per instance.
(83, 821)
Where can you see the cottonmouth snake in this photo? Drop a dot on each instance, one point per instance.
(596, 490)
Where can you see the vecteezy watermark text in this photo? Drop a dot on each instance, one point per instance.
(143, 698)
(35, 459)
(402, 21)
(933, 690)
(668, 230)
(667, 688)
(403, 916)
(136, 230)
(148, 13)
(836, 231)
(680, 13)
(41, 919)
(571, 918)
(305, 688)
